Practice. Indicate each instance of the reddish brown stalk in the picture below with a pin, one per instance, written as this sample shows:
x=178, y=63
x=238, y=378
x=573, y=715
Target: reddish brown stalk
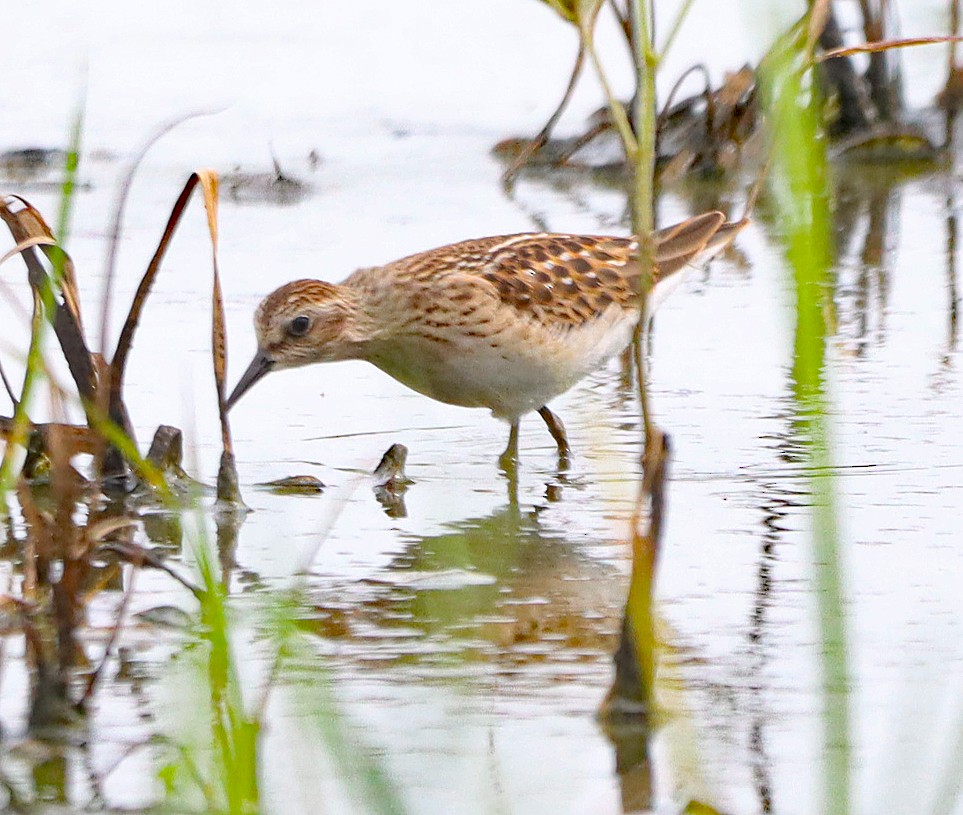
x=954, y=28
x=118, y=362
x=207, y=180
x=227, y=481
x=884, y=45
x=27, y=224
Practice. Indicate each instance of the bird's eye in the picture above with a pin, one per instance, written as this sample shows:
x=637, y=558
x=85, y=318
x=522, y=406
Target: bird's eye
x=299, y=326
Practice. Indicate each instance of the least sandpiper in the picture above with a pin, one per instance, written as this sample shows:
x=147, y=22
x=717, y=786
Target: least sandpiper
x=505, y=323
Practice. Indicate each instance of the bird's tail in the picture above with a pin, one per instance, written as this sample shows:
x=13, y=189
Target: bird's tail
x=693, y=242
x=685, y=245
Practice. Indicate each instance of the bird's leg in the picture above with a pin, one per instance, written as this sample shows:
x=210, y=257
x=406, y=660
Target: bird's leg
x=509, y=459
x=511, y=483
x=557, y=429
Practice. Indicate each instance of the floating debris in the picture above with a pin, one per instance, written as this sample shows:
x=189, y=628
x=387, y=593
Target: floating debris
x=39, y=169
x=27, y=163
x=886, y=145
x=295, y=485
x=277, y=187
x=166, y=617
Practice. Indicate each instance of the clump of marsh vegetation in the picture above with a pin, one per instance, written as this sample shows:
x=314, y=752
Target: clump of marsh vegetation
x=80, y=489
x=719, y=129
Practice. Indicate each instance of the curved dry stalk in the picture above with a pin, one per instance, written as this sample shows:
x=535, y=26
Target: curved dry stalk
x=118, y=362
x=884, y=45
x=208, y=182
x=670, y=99
x=36, y=240
x=617, y=110
x=536, y=144
x=117, y=217
x=109, y=396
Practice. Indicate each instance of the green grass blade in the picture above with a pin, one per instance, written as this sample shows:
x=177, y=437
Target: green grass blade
x=801, y=187
x=68, y=188
x=44, y=311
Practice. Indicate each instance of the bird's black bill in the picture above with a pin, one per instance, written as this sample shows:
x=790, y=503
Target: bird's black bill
x=260, y=366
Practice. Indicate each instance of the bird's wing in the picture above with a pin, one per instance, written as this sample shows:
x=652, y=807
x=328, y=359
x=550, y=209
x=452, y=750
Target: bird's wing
x=568, y=280
x=564, y=280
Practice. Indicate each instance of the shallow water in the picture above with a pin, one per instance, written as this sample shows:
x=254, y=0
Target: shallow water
x=469, y=640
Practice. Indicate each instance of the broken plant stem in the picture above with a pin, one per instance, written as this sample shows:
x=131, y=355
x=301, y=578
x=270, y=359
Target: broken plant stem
x=884, y=45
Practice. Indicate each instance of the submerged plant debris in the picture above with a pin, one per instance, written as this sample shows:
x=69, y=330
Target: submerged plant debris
x=295, y=485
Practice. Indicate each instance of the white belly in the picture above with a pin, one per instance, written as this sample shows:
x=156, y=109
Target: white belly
x=517, y=367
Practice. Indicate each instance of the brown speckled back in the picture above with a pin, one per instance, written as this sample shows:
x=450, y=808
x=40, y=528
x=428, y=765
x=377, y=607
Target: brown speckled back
x=560, y=280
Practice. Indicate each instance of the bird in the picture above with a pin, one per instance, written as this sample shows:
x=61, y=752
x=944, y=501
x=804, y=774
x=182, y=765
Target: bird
x=506, y=322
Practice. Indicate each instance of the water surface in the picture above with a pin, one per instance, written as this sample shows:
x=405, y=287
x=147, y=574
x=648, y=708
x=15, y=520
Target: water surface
x=469, y=639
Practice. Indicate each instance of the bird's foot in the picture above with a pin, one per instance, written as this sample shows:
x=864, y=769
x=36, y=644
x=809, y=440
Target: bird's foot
x=508, y=460
x=508, y=463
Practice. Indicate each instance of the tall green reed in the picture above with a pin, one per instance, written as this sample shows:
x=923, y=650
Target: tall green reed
x=801, y=188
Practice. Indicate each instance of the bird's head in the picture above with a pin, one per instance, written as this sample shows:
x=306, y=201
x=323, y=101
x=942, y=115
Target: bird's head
x=302, y=322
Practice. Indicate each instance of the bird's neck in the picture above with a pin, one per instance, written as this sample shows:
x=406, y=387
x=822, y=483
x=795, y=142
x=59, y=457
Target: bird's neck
x=378, y=310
